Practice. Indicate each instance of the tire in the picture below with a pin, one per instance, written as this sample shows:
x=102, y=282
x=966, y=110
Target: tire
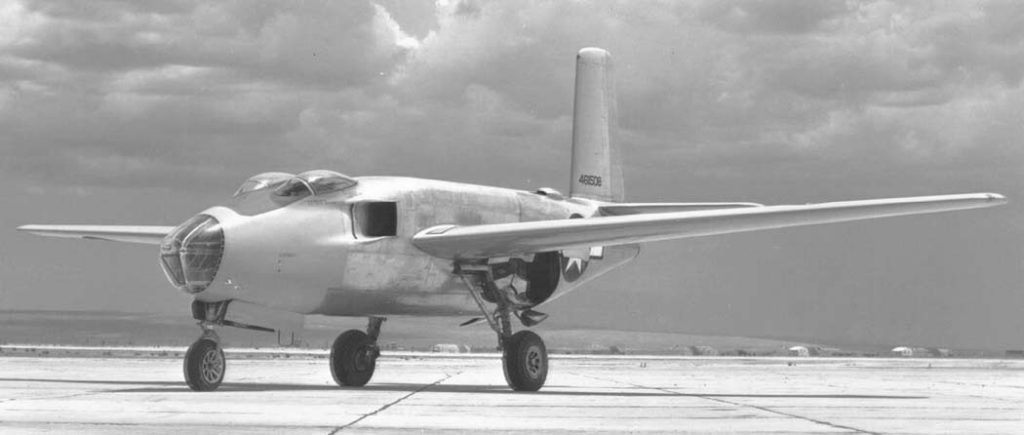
x=525, y=360
x=204, y=365
x=353, y=358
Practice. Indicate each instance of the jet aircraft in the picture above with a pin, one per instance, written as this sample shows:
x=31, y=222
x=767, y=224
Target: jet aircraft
x=320, y=242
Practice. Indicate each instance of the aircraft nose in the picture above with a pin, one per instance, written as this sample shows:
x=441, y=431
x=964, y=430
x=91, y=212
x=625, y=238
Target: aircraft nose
x=191, y=254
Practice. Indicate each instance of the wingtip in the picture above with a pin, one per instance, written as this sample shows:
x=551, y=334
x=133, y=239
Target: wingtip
x=996, y=198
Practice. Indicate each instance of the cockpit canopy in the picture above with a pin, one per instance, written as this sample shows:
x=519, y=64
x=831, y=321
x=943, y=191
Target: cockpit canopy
x=315, y=182
x=262, y=181
x=323, y=181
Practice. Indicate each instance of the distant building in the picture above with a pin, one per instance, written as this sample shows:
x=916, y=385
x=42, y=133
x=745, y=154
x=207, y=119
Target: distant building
x=938, y=352
x=704, y=350
x=921, y=352
x=902, y=351
x=799, y=351
x=449, y=348
x=601, y=349
x=827, y=351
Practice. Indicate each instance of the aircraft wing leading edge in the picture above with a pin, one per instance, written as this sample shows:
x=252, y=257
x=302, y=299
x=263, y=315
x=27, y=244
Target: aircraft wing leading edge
x=144, y=234
x=501, y=240
x=626, y=208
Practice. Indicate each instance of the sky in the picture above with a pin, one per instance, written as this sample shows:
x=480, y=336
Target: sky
x=146, y=112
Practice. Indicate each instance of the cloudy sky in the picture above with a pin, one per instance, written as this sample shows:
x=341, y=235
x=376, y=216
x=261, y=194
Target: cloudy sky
x=145, y=112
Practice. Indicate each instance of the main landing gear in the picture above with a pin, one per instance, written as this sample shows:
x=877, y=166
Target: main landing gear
x=354, y=355
x=524, y=356
x=525, y=360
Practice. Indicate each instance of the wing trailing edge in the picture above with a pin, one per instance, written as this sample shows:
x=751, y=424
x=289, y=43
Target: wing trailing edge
x=499, y=240
x=144, y=234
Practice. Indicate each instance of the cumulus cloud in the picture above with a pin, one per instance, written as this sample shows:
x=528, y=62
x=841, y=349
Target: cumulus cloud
x=772, y=17
x=198, y=86
x=234, y=84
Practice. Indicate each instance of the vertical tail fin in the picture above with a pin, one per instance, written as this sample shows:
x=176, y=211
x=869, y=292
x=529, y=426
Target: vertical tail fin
x=596, y=164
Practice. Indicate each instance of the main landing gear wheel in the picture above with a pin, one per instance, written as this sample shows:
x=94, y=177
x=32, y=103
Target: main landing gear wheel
x=353, y=358
x=525, y=360
x=204, y=365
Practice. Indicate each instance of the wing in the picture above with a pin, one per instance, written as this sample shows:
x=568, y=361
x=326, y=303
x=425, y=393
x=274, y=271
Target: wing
x=500, y=240
x=619, y=209
x=146, y=234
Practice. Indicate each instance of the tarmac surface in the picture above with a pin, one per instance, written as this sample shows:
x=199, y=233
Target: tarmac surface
x=429, y=393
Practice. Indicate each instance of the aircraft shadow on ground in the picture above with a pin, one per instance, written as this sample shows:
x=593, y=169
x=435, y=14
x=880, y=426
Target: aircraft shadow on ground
x=179, y=387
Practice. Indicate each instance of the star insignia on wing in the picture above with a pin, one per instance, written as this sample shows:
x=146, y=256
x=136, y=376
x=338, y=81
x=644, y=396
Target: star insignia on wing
x=574, y=263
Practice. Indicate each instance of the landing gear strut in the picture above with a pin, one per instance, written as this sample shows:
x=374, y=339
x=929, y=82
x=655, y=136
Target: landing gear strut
x=524, y=357
x=354, y=355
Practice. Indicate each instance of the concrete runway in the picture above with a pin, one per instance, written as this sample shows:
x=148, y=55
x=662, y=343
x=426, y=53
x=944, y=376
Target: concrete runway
x=458, y=394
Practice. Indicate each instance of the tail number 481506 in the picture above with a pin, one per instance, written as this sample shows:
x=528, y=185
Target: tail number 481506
x=590, y=180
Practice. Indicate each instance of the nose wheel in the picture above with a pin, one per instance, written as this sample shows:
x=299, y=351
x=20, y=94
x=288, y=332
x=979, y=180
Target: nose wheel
x=204, y=365
x=354, y=355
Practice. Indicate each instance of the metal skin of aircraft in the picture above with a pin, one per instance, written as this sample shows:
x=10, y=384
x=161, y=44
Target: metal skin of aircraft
x=320, y=242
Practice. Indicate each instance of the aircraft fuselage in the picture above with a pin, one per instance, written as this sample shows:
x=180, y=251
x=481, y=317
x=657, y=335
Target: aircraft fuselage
x=349, y=253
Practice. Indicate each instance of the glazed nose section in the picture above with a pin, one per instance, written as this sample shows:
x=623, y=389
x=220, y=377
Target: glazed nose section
x=191, y=254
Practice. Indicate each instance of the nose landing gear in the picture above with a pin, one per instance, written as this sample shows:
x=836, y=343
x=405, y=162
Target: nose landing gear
x=204, y=363
x=354, y=355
